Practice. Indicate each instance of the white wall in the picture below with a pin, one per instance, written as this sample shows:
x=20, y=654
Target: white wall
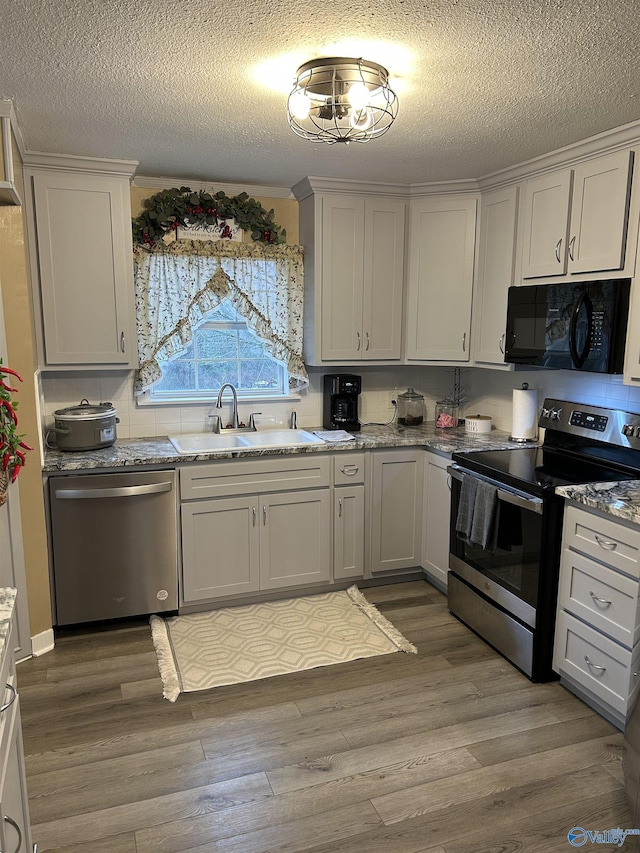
x=487, y=392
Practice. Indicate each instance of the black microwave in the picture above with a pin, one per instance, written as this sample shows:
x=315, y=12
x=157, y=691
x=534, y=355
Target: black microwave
x=576, y=326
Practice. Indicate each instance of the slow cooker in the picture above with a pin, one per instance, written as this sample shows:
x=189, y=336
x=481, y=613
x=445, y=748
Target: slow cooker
x=85, y=426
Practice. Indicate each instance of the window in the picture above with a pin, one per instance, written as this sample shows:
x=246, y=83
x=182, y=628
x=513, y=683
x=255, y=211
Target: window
x=223, y=349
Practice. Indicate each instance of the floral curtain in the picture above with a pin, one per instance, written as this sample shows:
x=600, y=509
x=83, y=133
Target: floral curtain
x=176, y=285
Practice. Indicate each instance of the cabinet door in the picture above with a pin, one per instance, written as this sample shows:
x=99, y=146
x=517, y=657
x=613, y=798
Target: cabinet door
x=383, y=278
x=295, y=539
x=546, y=225
x=599, y=213
x=220, y=548
x=342, y=277
x=83, y=225
x=437, y=509
x=441, y=253
x=15, y=829
x=396, y=509
x=496, y=272
x=348, y=535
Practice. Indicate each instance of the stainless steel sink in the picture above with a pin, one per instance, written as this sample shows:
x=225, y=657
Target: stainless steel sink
x=211, y=442
x=281, y=438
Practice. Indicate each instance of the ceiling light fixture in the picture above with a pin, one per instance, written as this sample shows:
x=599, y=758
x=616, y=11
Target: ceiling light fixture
x=341, y=100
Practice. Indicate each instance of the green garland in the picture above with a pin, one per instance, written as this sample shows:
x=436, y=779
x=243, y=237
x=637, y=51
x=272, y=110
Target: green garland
x=170, y=209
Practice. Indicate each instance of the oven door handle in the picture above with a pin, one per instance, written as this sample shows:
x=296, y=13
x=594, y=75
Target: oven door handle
x=509, y=497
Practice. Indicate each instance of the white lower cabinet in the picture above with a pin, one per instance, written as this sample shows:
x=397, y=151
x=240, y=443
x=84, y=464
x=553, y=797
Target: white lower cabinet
x=295, y=540
x=396, y=509
x=597, y=646
x=15, y=828
x=348, y=532
x=437, y=508
x=238, y=540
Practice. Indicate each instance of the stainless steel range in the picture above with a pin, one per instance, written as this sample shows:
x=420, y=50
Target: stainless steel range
x=506, y=525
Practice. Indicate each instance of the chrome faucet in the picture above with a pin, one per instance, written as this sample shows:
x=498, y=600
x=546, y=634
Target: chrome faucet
x=235, y=423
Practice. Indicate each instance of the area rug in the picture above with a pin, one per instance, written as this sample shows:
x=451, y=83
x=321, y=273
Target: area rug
x=236, y=644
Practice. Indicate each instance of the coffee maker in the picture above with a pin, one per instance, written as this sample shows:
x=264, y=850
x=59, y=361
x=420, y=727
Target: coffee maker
x=340, y=410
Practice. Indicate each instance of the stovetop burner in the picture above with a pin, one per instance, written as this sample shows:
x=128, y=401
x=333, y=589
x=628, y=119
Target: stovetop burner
x=583, y=444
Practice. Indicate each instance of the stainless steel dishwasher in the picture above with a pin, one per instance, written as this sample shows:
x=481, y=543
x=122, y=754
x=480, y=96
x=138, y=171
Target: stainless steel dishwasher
x=115, y=549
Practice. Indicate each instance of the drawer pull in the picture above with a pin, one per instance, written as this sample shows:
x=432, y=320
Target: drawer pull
x=12, y=823
x=8, y=704
x=606, y=543
x=600, y=601
x=601, y=669
x=350, y=470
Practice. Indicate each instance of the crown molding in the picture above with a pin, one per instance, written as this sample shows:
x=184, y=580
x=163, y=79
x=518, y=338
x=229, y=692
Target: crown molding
x=312, y=184
x=73, y=163
x=602, y=143
x=164, y=183
x=466, y=185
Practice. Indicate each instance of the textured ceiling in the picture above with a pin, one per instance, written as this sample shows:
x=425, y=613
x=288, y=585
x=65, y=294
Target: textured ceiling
x=180, y=87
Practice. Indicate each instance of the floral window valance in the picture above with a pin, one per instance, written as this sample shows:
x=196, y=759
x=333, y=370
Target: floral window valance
x=176, y=285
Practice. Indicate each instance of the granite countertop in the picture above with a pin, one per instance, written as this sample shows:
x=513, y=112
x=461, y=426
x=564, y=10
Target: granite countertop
x=128, y=452
x=7, y=604
x=618, y=499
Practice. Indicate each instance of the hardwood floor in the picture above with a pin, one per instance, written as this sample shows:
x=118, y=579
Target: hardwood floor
x=448, y=751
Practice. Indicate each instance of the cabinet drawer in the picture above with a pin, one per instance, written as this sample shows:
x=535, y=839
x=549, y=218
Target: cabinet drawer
x=601, y=596
x=247, y=476
x=595, y=662
x=607, y=541
x=348, y=468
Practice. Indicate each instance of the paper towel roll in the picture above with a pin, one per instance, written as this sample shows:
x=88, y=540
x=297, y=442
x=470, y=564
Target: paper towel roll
x=525, y=414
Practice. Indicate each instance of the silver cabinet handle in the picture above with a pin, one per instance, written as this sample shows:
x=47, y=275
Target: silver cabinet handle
x=350, y=470
x=594, y=665
x=8, y=704
x=367, y=335
x=558, y=244
x=358, y=347
x=12, y=823
x=602, y=601
x=464, y=342
x=606, y=543
x=501, y=343
x=339, y=507
x=122, y=492
x=264, y=514
x=253, y=510
x=122, y=346
x=572, y=243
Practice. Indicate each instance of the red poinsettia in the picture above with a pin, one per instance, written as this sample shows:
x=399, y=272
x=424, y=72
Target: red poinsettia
x=12, y=446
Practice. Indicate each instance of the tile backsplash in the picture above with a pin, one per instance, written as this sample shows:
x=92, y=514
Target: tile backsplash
x=484, y=391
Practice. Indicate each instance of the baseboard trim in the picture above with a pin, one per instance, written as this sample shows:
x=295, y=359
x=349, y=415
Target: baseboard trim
x=42, y=643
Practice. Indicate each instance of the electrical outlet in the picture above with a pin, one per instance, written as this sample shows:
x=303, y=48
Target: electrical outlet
x=392, y=398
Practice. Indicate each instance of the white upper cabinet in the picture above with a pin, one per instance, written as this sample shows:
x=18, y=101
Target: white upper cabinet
x=354, y=253
x=84, y=266
x=495, y=273
x=441, y=255
x=575, y=220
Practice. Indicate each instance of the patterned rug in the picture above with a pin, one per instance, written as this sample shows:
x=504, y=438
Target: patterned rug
x=236, y=644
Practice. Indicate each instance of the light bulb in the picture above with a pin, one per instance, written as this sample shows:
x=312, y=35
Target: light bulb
x=299, y=105
x=361, y=120
x=358, y=96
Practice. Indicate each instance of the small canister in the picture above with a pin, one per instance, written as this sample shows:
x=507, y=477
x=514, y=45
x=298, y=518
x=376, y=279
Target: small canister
x=410, y=408
x=446, y=414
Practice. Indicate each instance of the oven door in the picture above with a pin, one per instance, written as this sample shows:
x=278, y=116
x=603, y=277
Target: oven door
x=510, y=574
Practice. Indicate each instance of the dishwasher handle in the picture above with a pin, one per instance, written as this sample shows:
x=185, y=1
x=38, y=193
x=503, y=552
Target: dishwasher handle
x=120, y=492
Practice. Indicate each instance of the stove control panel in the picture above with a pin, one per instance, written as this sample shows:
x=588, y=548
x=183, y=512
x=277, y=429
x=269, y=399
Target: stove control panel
x=588, y=420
